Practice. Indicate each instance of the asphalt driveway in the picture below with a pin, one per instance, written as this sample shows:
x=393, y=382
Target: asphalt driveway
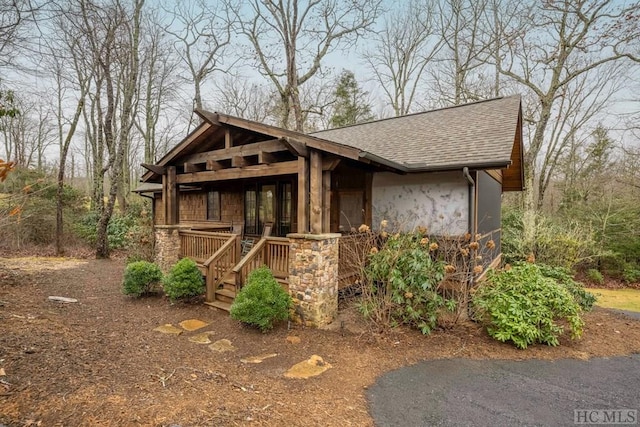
x=461, y=392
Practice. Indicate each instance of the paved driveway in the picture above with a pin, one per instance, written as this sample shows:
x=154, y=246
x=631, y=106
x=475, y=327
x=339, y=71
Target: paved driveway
x=461, y=392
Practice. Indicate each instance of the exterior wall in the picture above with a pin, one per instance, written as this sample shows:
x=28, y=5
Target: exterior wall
x=192, y=206
x=313, y=277
x=439, y=201
x=232, y=205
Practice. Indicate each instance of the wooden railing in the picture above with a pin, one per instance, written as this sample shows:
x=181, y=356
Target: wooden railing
x=221, y=264
x=270, y=251
x=199, y=245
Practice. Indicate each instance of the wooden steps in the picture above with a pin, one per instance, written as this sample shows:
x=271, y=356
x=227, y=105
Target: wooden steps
x=226, y=293
x=220, y=305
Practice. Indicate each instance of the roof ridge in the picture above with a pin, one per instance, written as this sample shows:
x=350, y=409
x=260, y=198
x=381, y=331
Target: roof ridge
x=451, y=107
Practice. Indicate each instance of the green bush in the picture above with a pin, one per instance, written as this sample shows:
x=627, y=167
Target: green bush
x=140, y=278
x=595, y=276
x=262, y=301
x=183, y=281
x=521, y=305
x=631, y=274
x=564, y=278
x=404, y=277
x=117, y=230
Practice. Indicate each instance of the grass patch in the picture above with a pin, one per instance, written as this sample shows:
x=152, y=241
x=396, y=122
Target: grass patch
x=622, y=299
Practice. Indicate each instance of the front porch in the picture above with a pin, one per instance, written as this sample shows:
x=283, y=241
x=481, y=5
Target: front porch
x=312, y=268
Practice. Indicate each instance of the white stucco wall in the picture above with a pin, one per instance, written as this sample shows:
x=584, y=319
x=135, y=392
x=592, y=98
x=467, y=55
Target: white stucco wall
x=439, y=201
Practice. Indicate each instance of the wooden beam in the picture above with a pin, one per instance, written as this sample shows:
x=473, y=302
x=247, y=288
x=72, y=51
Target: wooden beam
x=171, y=203
x=228, y=140
x=330, y=163
x=271, y=146
x=213, y=165
x=282, y=168
x=326, y=202
x=296, y=147
x=266, y=158
x=239, y=162
x=157, y=169
x=190, y=167
x=315, y=192
x=303, y=194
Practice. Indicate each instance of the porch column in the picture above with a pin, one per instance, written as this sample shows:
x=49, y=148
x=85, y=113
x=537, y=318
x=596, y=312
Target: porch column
x=170, y=196
x=315, y=192
x=313, y=277
x=303, y=195
x=326, y=201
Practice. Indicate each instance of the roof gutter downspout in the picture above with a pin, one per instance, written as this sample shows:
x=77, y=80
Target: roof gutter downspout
x=472, y=207
x=472, y=188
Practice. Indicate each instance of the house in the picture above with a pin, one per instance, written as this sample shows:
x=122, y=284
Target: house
x=232, y=179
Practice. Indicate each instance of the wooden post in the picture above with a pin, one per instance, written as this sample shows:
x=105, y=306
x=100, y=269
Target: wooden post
x=303, y=195
x=326, y=202
x=368, y=199
x=315, y=192
x=171, y=201
x=228, y=142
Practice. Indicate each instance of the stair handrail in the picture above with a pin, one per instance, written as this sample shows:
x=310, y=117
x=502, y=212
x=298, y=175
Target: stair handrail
x=238, y=270
x=214, y=276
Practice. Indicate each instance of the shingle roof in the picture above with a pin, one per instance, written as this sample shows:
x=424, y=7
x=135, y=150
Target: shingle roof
x=480, y=133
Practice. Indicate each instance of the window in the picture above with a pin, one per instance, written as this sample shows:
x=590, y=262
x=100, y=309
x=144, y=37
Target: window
x=213, y=205
x=250, y=206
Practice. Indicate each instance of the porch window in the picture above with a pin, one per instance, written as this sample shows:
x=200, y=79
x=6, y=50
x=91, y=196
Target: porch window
x=213, y=205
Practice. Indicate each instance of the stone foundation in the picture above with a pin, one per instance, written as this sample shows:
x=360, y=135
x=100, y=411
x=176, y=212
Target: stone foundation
x=313, y=277
x=167, y=246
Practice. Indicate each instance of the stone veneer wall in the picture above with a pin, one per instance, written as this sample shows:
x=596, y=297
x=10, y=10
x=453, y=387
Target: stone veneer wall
x=313, y=277
x=167, y=246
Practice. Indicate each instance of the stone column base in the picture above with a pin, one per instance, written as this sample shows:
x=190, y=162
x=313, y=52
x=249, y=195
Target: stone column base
x=313, y=277
x=167, y=246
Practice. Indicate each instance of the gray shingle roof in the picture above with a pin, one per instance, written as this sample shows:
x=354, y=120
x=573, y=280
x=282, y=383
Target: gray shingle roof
x=480, y=133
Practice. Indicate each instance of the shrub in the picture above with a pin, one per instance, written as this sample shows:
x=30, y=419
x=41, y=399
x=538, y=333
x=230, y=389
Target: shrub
x=595, y=276
x=262, y=301
x=564, y=278
x=140, y=278
x=403, y=279
x=522, y=305
x=117, y=229
x=631, y=274
x=183, y=281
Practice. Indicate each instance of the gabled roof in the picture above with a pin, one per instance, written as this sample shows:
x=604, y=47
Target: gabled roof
x=480, y=134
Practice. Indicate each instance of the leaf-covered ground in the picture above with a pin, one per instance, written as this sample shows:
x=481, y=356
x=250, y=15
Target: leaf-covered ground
x=99, y=362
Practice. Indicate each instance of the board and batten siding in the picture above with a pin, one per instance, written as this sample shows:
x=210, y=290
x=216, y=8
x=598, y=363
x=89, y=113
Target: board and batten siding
x=439, y=201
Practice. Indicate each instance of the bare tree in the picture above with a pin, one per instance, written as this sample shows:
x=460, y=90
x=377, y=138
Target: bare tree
x=203, y=33
x=545, y=48
x=156, y=89
x=291, y=38
x=401, y=52
x=16, y=16
x=239, y=96
x=459, y=76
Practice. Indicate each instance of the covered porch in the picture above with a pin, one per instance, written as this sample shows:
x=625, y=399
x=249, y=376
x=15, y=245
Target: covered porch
x=235, y=195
